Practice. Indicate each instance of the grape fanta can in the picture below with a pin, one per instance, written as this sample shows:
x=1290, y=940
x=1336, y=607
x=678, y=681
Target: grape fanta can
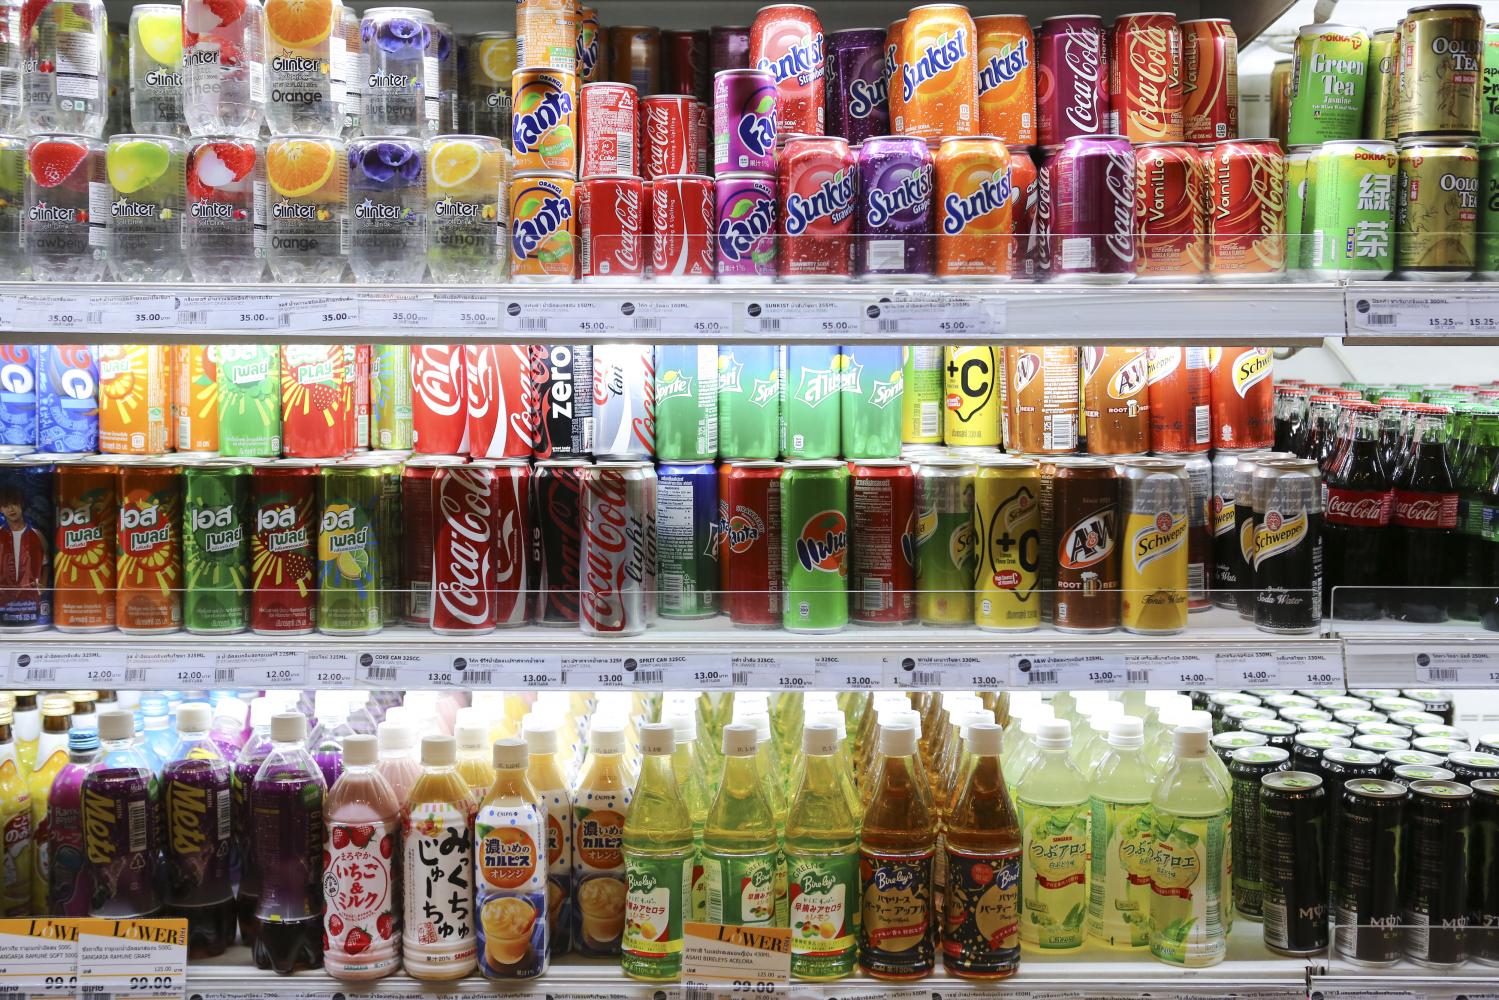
x=215, y=547
x=348, y=548
x=814, y=537
x=870, y=401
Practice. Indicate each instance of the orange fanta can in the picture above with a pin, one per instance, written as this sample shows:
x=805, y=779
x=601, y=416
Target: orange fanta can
x=892, y=72
x=546, y=34
x=938, y=78
x=135, y=383
x=195, y=397
x=544, y=119
x=543, y=226
x=975, y=209
x=1007, y=78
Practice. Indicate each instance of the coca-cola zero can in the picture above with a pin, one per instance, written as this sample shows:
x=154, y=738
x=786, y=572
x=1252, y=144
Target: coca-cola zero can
x=563, y=374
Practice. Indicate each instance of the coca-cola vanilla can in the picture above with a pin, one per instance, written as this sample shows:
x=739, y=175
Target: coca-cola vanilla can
x=439, y=414
x=1145, y=78
x=618, y=558
x=501, y=400
x=683, y=225
x=611, y=217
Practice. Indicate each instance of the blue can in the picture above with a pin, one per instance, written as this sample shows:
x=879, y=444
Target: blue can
x=67, y=399
x=17, y=399
x=687, y=533
x=749, y=402
x=26, y=534
x=858, y=108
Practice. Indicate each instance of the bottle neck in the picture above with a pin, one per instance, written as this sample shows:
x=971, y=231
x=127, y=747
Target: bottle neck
x=656, y=771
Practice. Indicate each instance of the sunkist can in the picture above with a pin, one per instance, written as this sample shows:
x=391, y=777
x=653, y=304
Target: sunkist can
x=1210, y=80
x=1439, y=79
x=1436, y=210
x=973, y=396
x=857, y=107
x=893, y=216
x=944, y=541
x=938, y=73
x=1007, y=78
x=893, y=32
x=975, y=209
x=1153, y=580
x=816, y=186
x=1328, y=83
x=1145, y=78
x=815, y=540
x=1007, y=543
x=786, y=40
x=1353, y=218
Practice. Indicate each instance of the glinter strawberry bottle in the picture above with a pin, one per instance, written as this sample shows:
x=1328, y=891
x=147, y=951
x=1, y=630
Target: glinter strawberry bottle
x=361, y=922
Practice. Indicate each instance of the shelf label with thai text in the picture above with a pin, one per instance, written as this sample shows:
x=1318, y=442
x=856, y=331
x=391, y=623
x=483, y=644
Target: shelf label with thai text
x=141, y=959
x=198, y=313
x=739, y=957
x=1457, y=666
x=466, y=312
x=834, y=318
x=38, y=958
x=1247, y=669
x=1173, y=670
x=68, y=668
x=1044, y=669
x=927, y=314
x=1310, y=671
x=319, y=312
x=271, y=668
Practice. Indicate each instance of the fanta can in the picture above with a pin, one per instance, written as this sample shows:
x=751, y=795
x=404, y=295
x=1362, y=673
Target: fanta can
x=543, y=233
x=546, y=34
x=134, y=399
x=816, y=205
x=975, y=209
x=1007, y=78
x=786, y=41
x=938, y=79
x=544, y=119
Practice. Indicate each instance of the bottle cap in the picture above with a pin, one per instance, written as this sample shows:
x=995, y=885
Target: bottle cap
x=1190, y=741
x=973, y=718
x=192, y=717
x=151, y=704
x=901, y=717
x=898, y=739
x=606, y=736
x=117, y=725
x=1126, y=732
x=359, y=750
x=657, y=739
x=82, y=740
x=439, y=751
x=330, y=705
x=234, y=711
x=60, y=704
x=819, y=739
x=835, y=719
x=288, y=727
x=1054, y=734
x=739, y=740
x=395, y=736
x=1198, y=719
x=510, y=754
x=472, y=736
x=684, y=725
x=985, y=739
x=540, y=733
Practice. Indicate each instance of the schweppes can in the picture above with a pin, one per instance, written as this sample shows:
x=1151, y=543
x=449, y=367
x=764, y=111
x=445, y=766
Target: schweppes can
x=1153, y=580
x=973, y=396
x=1288, y=546
x=1007, y=540
x=1242, y=395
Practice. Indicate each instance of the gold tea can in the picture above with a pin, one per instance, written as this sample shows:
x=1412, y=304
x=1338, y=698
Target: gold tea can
x=1007, y=541
x=1440, y=79
x=1436, y=210
x=1153, y=577
x=1280, y=102
x=1379, y=95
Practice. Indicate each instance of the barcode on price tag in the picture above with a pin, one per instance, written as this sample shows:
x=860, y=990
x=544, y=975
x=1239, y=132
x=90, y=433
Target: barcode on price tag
x=10, y=307
x=557, y=315
x=530, y=673
x=259, y=668
x=1387, y=314
x=830, y=318
x=1248, y=670
x=39, y=958
x=1069, y=670
x=228, y=312
x=855, y=671
x=144, y=959
x=953, y=315
x=933, y=673
x=704, y=671
x=1173, y=670
x=1457, y=666
x=421, y=670
x=182, y=671
x=68, y=668
x=589, y=672
x=463, y=312
x=700, y=317
x=46, y=312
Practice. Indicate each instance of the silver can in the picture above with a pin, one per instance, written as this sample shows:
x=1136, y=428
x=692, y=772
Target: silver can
x=1288, y=546
x=1224, y=581
x=618, y=552
x=624, y=387
x=944, y=540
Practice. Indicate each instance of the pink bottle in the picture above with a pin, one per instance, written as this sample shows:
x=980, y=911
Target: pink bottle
x=361, y=920
x=399, y=763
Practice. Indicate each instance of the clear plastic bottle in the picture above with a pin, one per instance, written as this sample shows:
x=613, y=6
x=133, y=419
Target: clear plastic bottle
x=15, y=823
x=120, y=802
x=327, y=741
x=1053, y=800
x=548, y=778
x=981, y=926
x=1190, y=889
x=601, y=800
x=65, y=82
x=51, y=756
x=1119, y=792
x=897, y=848
x=399, y=764
x=156, y=70
x=27, y=726
x=822, y=862
x=511, y=866
x=475, y=757
x=287, y=801
x=440, y=940
x=70, y=886
x=361, y=889
x=223, y=68
x=196, y=794
x=300, y=68
x=659, y=860
x=740, y=838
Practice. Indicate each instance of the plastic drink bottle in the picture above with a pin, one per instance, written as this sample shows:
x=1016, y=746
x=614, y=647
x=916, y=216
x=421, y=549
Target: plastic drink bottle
x=196, y=794
x=399, y=764
x=327, y=740
x=601, y=799
x=1119, y=792
x=360, y=890
x=69, y=890
x=307, y=224
x=230, y=726
x=897, y=845
x=772, y=776
x=287, y=802
x=15, y=824
x=223, y=68
x=64, y=225
x=511, y=865
x=304, y=50
x=659, y=860
x=51, y=755
x=121, y=826
x=740, y=838
x=437, y=837
x=1053, y=800
x=156, y=70
x=26, y=726
x=65, y=81
x=981, y=927
x=476, y=758
x=242, y=778
x=1190, y=888
x=225, y=227
x=692, y=783
x=387, y=209
x=822, y=862
x=546, y=775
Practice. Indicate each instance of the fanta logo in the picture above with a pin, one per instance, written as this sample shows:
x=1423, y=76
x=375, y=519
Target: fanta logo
x=743, y=530
x=748, y=222
x=993, y=192
x=803, y=61
x=1006, y=66
x=914, y=189
x=1251, y=368
x=757, y=128
x=865, y=95
x=530, y=126
x=833, y=200
x=548, y=220
x=941, y=56
x=823, y=542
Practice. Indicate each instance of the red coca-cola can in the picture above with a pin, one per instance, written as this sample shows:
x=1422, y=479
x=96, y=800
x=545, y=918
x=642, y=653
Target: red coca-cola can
x=1145, y=78
x=749, y=542
x=514, y=568
x=501, y=400
x=1168, y=211
x=815, y=202
x=647, y=227
x=673, y=136
x=684, y=63
x=283, y=495
x=465, y=528
x=1247, y=220
x=610, y=122
x=683, y=223
x=611, y=219
x=418, y=534
x=618, y=553
x=882, y=585
x=557, y=539
x=361, y=375
x=439, y=418
x=1025, y=191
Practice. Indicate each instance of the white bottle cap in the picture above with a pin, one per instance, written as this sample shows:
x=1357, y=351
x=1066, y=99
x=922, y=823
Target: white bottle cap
x=898, y=740
x=761, y=722
x=1054, y=734
x=1100, y=723
x=118, y=725
x=683, y=725
x=836, y=719
x=193, y=717
x=985, y=739
x=288, y=727
x=510, y=754
x=657, y=739
x=395, y=736
x=902, y=717
x=399, y=714
x=819, y=739
x=472, y=736
x=971, y=719
x=540, y=733
x=1198, y=719
x=439, y=751
x=233, y=709
x=606, y=736
x=739, y=740
x=1127, y=732
x=261, y=711
x=1190, y=741
x=360, y=750
x=330, y=705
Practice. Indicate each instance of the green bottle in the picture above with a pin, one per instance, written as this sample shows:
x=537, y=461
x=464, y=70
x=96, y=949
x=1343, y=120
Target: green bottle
x=1123, y=859
x=1053, y=800
x=768, y=766
x=822, y=862
x=659, y=859
x=687, y=766
x=1190, y=891
x=870, y=400
x=215, y=547
x=739, y=839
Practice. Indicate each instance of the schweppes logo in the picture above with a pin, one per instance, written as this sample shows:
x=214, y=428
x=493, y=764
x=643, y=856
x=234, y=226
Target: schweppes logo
x=1161, y=363
x=1246, y=541
x=1251, y=368
x=1157, y=538
x=1278, y=534
x=1224, y=510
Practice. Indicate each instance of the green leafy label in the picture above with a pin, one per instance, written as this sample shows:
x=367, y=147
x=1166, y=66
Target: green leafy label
x=740, y=889
x=655, y=889
x=1188, y=883
x=1119, y=878
x=1054, y=885
x=823, y=890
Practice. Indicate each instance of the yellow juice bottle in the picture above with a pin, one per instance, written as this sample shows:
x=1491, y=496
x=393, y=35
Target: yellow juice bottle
x=659, y=859
x=475, y=757
x=546, y=776
x=15, y=824
x=601, y=801
x=439, y=940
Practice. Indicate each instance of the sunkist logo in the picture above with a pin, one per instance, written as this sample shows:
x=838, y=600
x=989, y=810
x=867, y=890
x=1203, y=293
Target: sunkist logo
x=959, y=211
x=833, y=200
x=866, y=95
x=937, y=58
x=823, y=542
x=1004, y=67
x=803, y=60
x=915, y=188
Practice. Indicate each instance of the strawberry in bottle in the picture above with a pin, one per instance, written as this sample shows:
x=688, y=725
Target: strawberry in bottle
x=361, y=921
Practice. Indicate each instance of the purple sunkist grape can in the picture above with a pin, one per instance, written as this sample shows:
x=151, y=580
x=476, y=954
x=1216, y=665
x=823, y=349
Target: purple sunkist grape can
x=67, y=399
x=893, y=223
x=746, y=227
x=744, y=122
x=855, y=82
x=728, y=47
x=1072, y=78
x=1092, y=183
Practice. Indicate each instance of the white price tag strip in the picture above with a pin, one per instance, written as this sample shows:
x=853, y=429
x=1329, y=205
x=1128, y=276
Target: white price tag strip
x=68, y=669
x=793, y=672
x=1042, y=670
x=259, y=669
x=829, y=318
x=684, y=672
x=1247, y=669
x=39, y=958
x=1310, y=671
x=937, y=672
x=854, y=672
x=141, y=959
x=599, y=672
x=53, y=313
x=331, y=670
x=531, y=672
x=395, y=312
x=412, y=670
x=737, y=957
x=228, y=312
x=708, y=318
x=182, y=671
x=319, y=312
x=139, y=312
x=466, y=312
x=1173, y=671
x=1457, y=666
x=10, y=310
x=953, y=315
x=1403, y=314
x=560, y=315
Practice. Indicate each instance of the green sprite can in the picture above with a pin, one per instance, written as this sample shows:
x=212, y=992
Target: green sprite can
x=811, y=384
x=1436, y=210
x=814, y=540
x=1298, y=194
x=215, y=547
x=944, y=541
x=390, y=396
x=921, y=395
x=1353, y=225
x=686, y=402
x=1489, y=101
x=749, y=402
x=249, y=401
x=1488, y=211
x=1379, y=100
x=1439, y=81
x=870, y=401
x=351, y=515
x=1328, y=83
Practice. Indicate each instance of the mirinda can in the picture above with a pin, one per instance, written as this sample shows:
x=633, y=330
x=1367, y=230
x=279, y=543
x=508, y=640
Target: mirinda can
x=543, y=229
x=135, y=382
x=938, y=75
x=1180, y=413
x=786, y=40
x=1242, y=396
x=975, y=209
x=1116, y=400
x=1172, y=242
x=1145, y=86
x=83, y=561
x=195, y=398
x=544, y=120
x=1210, y=80
x=1007, y=78
x=1247, y=222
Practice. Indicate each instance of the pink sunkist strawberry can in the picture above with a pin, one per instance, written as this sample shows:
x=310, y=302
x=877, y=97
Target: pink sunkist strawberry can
x=815, y=201
x=744, y=122
x=786, y=41
x=746, y=236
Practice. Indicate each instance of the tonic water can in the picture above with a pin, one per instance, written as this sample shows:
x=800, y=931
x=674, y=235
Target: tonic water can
x=351, y=509
x=468, y=209
x=390, y=397
x=146, y=207
x=308, y=225
x=1353, y=228
x=686, y=403
x=1153, y=582
x=65, y=226
x=1007, y=544
x=215, y=547
x=871, y=400
x=156, y=70
x=814, y=537
x=921, y=395
x=1328, y=83
x=387, y=210
x=223, y=68
x=749, y=401
x=249, y=382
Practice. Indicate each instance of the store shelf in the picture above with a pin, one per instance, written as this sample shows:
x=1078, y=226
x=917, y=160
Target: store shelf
x=1402, y=654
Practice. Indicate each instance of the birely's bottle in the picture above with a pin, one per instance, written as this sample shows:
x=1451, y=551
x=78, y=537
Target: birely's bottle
x=287, y=802
x=659, y=856
x=121, y=826
x=15, y=824
x=822, y=862
x=897, y=845
x=510, y=859
x=981, y=926
x=361, y=887
x=196, y=794
x=69, y=885
x=546, y=775
x=439, y=940
x=740, y=842
x=242, y=778
x=399, y=763
x=601, y=800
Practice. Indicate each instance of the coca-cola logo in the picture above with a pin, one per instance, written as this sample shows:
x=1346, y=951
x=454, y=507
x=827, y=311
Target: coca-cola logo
x=1358, y=508
x=605, y=538
x=435, y=371
x=1120, y=177
x=627, y=211
x=666, y=146
x=1083, y=55
x=1426, y=510
x=1150, y=58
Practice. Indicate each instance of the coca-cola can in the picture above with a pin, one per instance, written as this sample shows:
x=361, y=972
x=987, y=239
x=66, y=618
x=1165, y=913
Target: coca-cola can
x=684, y=62
x=624, y=401
x=1173, y=240
x=439, y=418
x=683, y=227
x=465, y=500
x=749, y=542
x=1145, y=78
x=1037, y=251
x=1247, y=218
x=1072, y=85
x=563, y=375
x=557, y=539
x=611, y=216
x=514, y=569
x=501, y=400
x=609, y=118
x=1210, y=80
x=1093, y=210
x=618, y=557
x=647, y=227
x=673, y=135
x=419, y=521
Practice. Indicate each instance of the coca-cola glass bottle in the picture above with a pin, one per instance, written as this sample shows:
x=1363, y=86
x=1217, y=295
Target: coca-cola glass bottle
x=1426, y=547
x=1488, y=615
x=1391, y=413
x=1356, y=522
x=1322, y=422
x=1475, y=571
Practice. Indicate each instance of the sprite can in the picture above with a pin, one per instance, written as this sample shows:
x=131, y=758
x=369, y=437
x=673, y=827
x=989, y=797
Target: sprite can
x=814, y=539
x=1353, y=228
x=921, y=396
x=249, y=401
x=1007, y=542
x=686, y=402
x=687, y=540
x=1488, y=211
x=1439, y=82
x=749, y=402
x=1379, y=99
x=1436, y=210
x=870, y=401
x=1298, y=186
x=351, y=514
x=811, y=382
x=1328, y=83
x=215, y=547
x=944, y=541
x=390, y=396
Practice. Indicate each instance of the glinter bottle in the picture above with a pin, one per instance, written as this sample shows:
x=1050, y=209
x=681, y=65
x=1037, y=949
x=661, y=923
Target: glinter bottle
x=1190, y=881
x=121, y=826
x=1053, y=799
x=897, y=844
x=1123, y=859
x=822, y=863
x=659, y=861
x=360, y=890
x=439, y=941
x=510, y=856
x=601, y=799
x=287, y=798
x=196, y=795
x=739, y=839
x=981, y=930
x=547, y=777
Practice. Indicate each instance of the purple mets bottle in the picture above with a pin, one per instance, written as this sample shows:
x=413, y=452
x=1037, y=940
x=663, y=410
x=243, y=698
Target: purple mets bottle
x=120, y=800
x=195, y=790
x=69, y=886
x=854, y=78
x=287, y=799
x=246, y=766
x=894, y=238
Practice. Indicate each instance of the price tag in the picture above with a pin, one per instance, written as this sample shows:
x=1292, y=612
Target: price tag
x=924, y=315
x=795, y=672
x=739, y=957
x=832, y=318
x=584, y=315
x=10, y=309
x=1457, y=666
x=395, y=311
x=67, y=668
x=934, y=673
x=228, y=312
x=532, y=672
x=46, y=312
x=591, y=672
x=466, y=312
x=259, y=668
x=141, y=959
x=175, y=670
x=1310, y=671
x=1400, y=314
x=39, y=958
x=331, y=670
x=701, y=317
x=1068, y=670
x=319, y=312
x=851, y=672
x=139, y=312
x=412, y=670
x=1247, y=669
x=474, y=670
x=696, y=670
x=1173, y=671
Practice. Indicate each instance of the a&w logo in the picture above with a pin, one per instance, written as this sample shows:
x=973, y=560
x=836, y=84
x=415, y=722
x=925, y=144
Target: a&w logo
x=749, y=221
x=1003, y=68
x=958, y=211
x=530, y=126
x=802, y=61
x=914, y=189
x=941, y=56
x=833, y=200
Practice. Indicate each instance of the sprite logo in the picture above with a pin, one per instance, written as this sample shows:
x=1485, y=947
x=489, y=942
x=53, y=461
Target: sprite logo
x=730, y=372
x=672, y=385
x=823, y=542
x=939, y=57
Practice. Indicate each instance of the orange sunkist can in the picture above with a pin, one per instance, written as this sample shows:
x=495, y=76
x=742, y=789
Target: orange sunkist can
x=148, y=553
x=543, y=227
x=83, y=566
x=1116, y=400
x=938, y=78
x=1180, y=415
x=1242, y=395
x=975, y=208
x=1007, y=78
x=1041, y=391
x=135, y=399
x=195, y=398
x=892, y=71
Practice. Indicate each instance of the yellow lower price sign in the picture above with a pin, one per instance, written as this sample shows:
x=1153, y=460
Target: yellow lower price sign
x=139, y=959
x=732, y=960
x=38, y=958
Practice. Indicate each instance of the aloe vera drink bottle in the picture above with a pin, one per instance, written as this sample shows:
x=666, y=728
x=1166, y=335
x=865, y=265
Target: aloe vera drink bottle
x=1190, y=890
x=659, y=861
x=1053, y=800
x=1119, y=792
x=196, y=793
x=740, y=838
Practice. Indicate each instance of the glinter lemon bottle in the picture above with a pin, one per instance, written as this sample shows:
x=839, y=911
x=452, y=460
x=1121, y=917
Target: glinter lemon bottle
x=898, y=933
x=1053, y=799
x=1190, y=881
x=822, y=862
x=659, y=857
x=1119, y=876
x=739, y=839
x=981, y=929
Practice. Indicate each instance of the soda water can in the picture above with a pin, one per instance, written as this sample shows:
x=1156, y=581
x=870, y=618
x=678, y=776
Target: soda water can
x=746, y=244
x=308, y=226
x=870, y=400
x=215, y=546
x=146, y=207
x=65, y=84
x=1328, y=84
x=135, y=398
x=687, y=540
x=491, y=64
x=1007, y=544
x=223, y=68
x=543, y=227
x=1353, y=222
x=156, y=69
x=195, y=398
x=618, y=553
x=314, y=416
x=67, y=398
x=18, y=389
x=398, y=74
x=944, y=541
x=749, y=401
x=624, y=401
x=27, y=511
x=857, y=106
x=744, y=121
x=563, y=376
x=83, y=564
x=300, y=61
x=387, y=210
x=148, y=563
x=893, y=220
x=351, y=499
x=283, y=547
x=390, y=397
x=249, y=379
x=814, y=538
x=811, y=382
x=686, y=402
x=65, y=229
x=468, y=209
x=225, y=225
x=11, y=62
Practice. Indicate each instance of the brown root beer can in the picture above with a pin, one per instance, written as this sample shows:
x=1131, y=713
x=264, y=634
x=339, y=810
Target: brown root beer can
x=1084, y=549
x=1041, y=397
x=1116, y=400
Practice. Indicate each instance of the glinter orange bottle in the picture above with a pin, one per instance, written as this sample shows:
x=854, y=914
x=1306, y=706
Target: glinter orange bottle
x=981, y=926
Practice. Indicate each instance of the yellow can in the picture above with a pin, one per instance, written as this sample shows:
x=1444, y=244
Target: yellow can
x=1153, y=581
x=973, y=396
x=543, y=226
x=1007, y=541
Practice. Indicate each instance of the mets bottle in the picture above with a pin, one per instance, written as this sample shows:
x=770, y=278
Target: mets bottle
x=1119, y=791
x=822, y=863
x=301, y=87
x=510, y=859
x=1053, y=800
x=1189, y=885
x=439, y=941
x=659, y=861
x=197, y=795
x=69, y=889
x=897, y=849
x=121, y=824
x=387, y=210
x=287, y=798
x=223, y=67
x=246, y=765
x=145, y=207
x=362, y=887
x=15, y=824
x=65, y=83
x=981, y=929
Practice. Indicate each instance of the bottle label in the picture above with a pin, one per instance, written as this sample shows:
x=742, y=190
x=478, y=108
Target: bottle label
x=438, y=862
x=559, y=808
x=656, y=890
x=1188, y=883
x=1490, y=527
x=120, y=827
x=740, y=890
x=897, y=936
x=981, y=935
x=360, y=918
x=822, y=890
x=510, y=855
x=1054, y=889
x=1119, y=879
x=198, y=826
x=15, y=822
x=1425, y=510
x=599, y=871
x=1359, y=508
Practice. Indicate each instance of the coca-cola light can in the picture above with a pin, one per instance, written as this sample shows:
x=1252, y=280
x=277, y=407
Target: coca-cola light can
x=618, y=564
x=439, y=415
x=563, y=374
x=557, y=539
x=624, y=401
x=501, y=400
x=1093, y=210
